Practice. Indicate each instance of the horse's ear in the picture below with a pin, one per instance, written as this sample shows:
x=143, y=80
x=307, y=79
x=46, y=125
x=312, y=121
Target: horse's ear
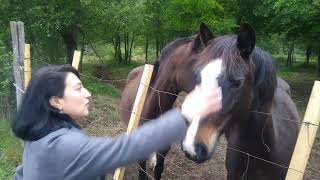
x=246, y=40
x=202, y=38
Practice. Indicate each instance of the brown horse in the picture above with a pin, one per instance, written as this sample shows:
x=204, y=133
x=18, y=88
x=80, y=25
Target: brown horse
x=247, y=77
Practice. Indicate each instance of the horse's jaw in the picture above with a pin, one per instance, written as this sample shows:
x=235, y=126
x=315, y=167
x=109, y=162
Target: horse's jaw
x=199, y=150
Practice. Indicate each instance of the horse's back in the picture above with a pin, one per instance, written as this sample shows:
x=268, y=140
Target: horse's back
x=286, y=122
x=282, y=84
x=129, y=93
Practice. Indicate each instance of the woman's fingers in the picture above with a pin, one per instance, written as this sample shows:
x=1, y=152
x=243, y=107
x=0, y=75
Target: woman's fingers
x=202, y=101
x=212, y=101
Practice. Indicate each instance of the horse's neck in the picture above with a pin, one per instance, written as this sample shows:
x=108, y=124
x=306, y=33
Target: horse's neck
x=158, y=103
x=252, y=132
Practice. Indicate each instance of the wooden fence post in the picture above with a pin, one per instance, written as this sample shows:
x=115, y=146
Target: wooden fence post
x=27, y=65
x=17, y=34
x=137, y=109
x=76, y=59
x=306, y=136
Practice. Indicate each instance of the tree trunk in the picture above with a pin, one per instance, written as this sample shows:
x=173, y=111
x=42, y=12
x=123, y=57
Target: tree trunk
x=117, y=48
x=162, y=45
x=290, y=55
x=319, y=63
x=146, y=49
x=70, y=43
x=119, y=53
x=308, y=54
x=157, y=47
x=69, y=33
x=130, y=49
x=82, y=52
x=126, y=49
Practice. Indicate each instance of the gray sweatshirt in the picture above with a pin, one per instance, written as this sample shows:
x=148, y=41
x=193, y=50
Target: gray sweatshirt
x=72, y=155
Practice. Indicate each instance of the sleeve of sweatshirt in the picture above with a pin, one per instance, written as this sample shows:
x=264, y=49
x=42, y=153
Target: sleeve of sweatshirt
x=19, y=173
x=87, y=157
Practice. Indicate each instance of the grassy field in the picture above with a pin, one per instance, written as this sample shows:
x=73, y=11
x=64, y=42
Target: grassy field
x=104, y=120
x=10, y=151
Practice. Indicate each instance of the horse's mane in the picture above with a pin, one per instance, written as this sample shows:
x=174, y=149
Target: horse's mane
x=265, y=75
x=165, y=52
x=265, y=82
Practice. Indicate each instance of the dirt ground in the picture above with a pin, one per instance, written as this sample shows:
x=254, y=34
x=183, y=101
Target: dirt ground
x=104, y=121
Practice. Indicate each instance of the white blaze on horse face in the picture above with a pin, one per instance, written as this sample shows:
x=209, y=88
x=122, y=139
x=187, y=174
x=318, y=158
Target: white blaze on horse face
x=209, y=75
x=187, y=144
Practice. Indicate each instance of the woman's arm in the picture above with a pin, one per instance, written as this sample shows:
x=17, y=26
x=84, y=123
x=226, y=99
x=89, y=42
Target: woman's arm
x=90, y=157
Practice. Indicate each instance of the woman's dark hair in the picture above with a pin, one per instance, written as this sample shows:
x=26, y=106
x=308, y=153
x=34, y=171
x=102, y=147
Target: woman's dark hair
x=36, y=118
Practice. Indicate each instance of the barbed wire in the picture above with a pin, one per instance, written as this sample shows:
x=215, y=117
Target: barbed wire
x=267, y=161
x=247, y=167
x=169, y=93
x=179, y=166
x=18, y=88
x=144, y=171
x=285, y=119
x=245, y=153
x=104, y=80
x=237, y=150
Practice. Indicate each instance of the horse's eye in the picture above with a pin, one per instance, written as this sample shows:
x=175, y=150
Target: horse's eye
x=236, y=83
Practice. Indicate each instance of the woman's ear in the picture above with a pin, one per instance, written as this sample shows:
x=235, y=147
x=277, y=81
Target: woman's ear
x=56, y=102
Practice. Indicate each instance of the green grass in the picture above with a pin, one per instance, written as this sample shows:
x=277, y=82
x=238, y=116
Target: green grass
x=298, y=66
x=109, y=70
x=10, y=151
x=100, y=87
x=120, y=71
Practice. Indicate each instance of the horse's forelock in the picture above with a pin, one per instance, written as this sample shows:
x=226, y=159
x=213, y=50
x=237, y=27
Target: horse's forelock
x=224, y=47
x=264, y=71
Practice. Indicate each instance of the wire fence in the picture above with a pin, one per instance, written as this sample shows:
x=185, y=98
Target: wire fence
x=249, y=156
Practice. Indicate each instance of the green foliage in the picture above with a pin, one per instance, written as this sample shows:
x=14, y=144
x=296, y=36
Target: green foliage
x=296, y=19
x=184, y=16
x=5, y=73
x=5, y=76
x=45, y=23
x=98, y=23
x=10, y=151
x=274, y=43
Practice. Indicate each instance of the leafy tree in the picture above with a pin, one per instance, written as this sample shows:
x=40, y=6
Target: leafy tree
x=299, y=21
x=46, y=21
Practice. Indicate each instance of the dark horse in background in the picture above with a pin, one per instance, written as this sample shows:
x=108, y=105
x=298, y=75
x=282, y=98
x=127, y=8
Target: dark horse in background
x=247, y=77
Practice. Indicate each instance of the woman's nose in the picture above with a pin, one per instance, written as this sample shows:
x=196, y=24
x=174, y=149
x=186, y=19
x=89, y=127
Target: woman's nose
x=86, y=92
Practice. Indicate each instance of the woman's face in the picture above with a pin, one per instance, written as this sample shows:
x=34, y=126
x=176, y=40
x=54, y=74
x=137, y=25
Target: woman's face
x=76, y=98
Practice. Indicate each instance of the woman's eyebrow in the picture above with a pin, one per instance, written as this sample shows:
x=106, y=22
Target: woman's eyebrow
x=78, y=84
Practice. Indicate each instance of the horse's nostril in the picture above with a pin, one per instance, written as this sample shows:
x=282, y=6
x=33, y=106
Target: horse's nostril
x=201, y=152
x=181, y=146
x=198, y=77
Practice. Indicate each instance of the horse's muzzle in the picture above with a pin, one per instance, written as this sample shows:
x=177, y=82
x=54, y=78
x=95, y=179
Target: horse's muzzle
x=201, y=153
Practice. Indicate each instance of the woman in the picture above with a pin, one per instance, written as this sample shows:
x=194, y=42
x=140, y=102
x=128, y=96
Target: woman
x=56, y=147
